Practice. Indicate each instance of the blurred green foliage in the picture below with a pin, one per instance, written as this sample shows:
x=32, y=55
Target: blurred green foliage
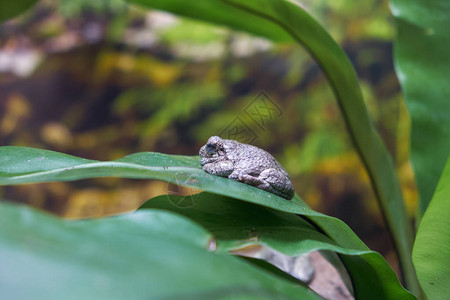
x=75, y=8
x=10, y=9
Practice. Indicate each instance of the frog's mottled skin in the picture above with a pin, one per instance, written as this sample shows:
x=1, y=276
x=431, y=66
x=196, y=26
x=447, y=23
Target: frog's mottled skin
x=247, y=164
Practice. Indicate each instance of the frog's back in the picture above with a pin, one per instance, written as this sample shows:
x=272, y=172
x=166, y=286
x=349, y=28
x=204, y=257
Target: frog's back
x=253, y=160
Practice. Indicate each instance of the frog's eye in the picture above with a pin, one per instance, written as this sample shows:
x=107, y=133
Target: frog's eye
x=210, y=148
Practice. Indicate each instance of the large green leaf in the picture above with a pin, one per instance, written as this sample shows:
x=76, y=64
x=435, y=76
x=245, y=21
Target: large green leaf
x=422, y=62
x=263, y=17
x=10, y=9
x=20, y=165
x=431, y=253
x=146, y=255
x=236, y=224
x=26, y=165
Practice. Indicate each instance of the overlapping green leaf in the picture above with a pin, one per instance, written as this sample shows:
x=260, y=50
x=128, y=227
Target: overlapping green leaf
x=10, y=9
x=263, y=17
x=423, y=67
x=236, y=224
x=146, y=255
x=431, y=253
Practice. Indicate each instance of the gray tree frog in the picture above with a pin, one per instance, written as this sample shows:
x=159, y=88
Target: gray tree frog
x=247, y=164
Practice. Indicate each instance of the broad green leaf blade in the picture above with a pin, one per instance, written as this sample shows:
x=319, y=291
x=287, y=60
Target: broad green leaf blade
x=19, y=165
x=431, y=254
x=285, y=15
x=422, y=63
x=146, y=255
x=236, y=224
x=10, y=9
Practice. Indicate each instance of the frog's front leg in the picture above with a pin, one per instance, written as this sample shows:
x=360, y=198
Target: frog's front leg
x=220, y=168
